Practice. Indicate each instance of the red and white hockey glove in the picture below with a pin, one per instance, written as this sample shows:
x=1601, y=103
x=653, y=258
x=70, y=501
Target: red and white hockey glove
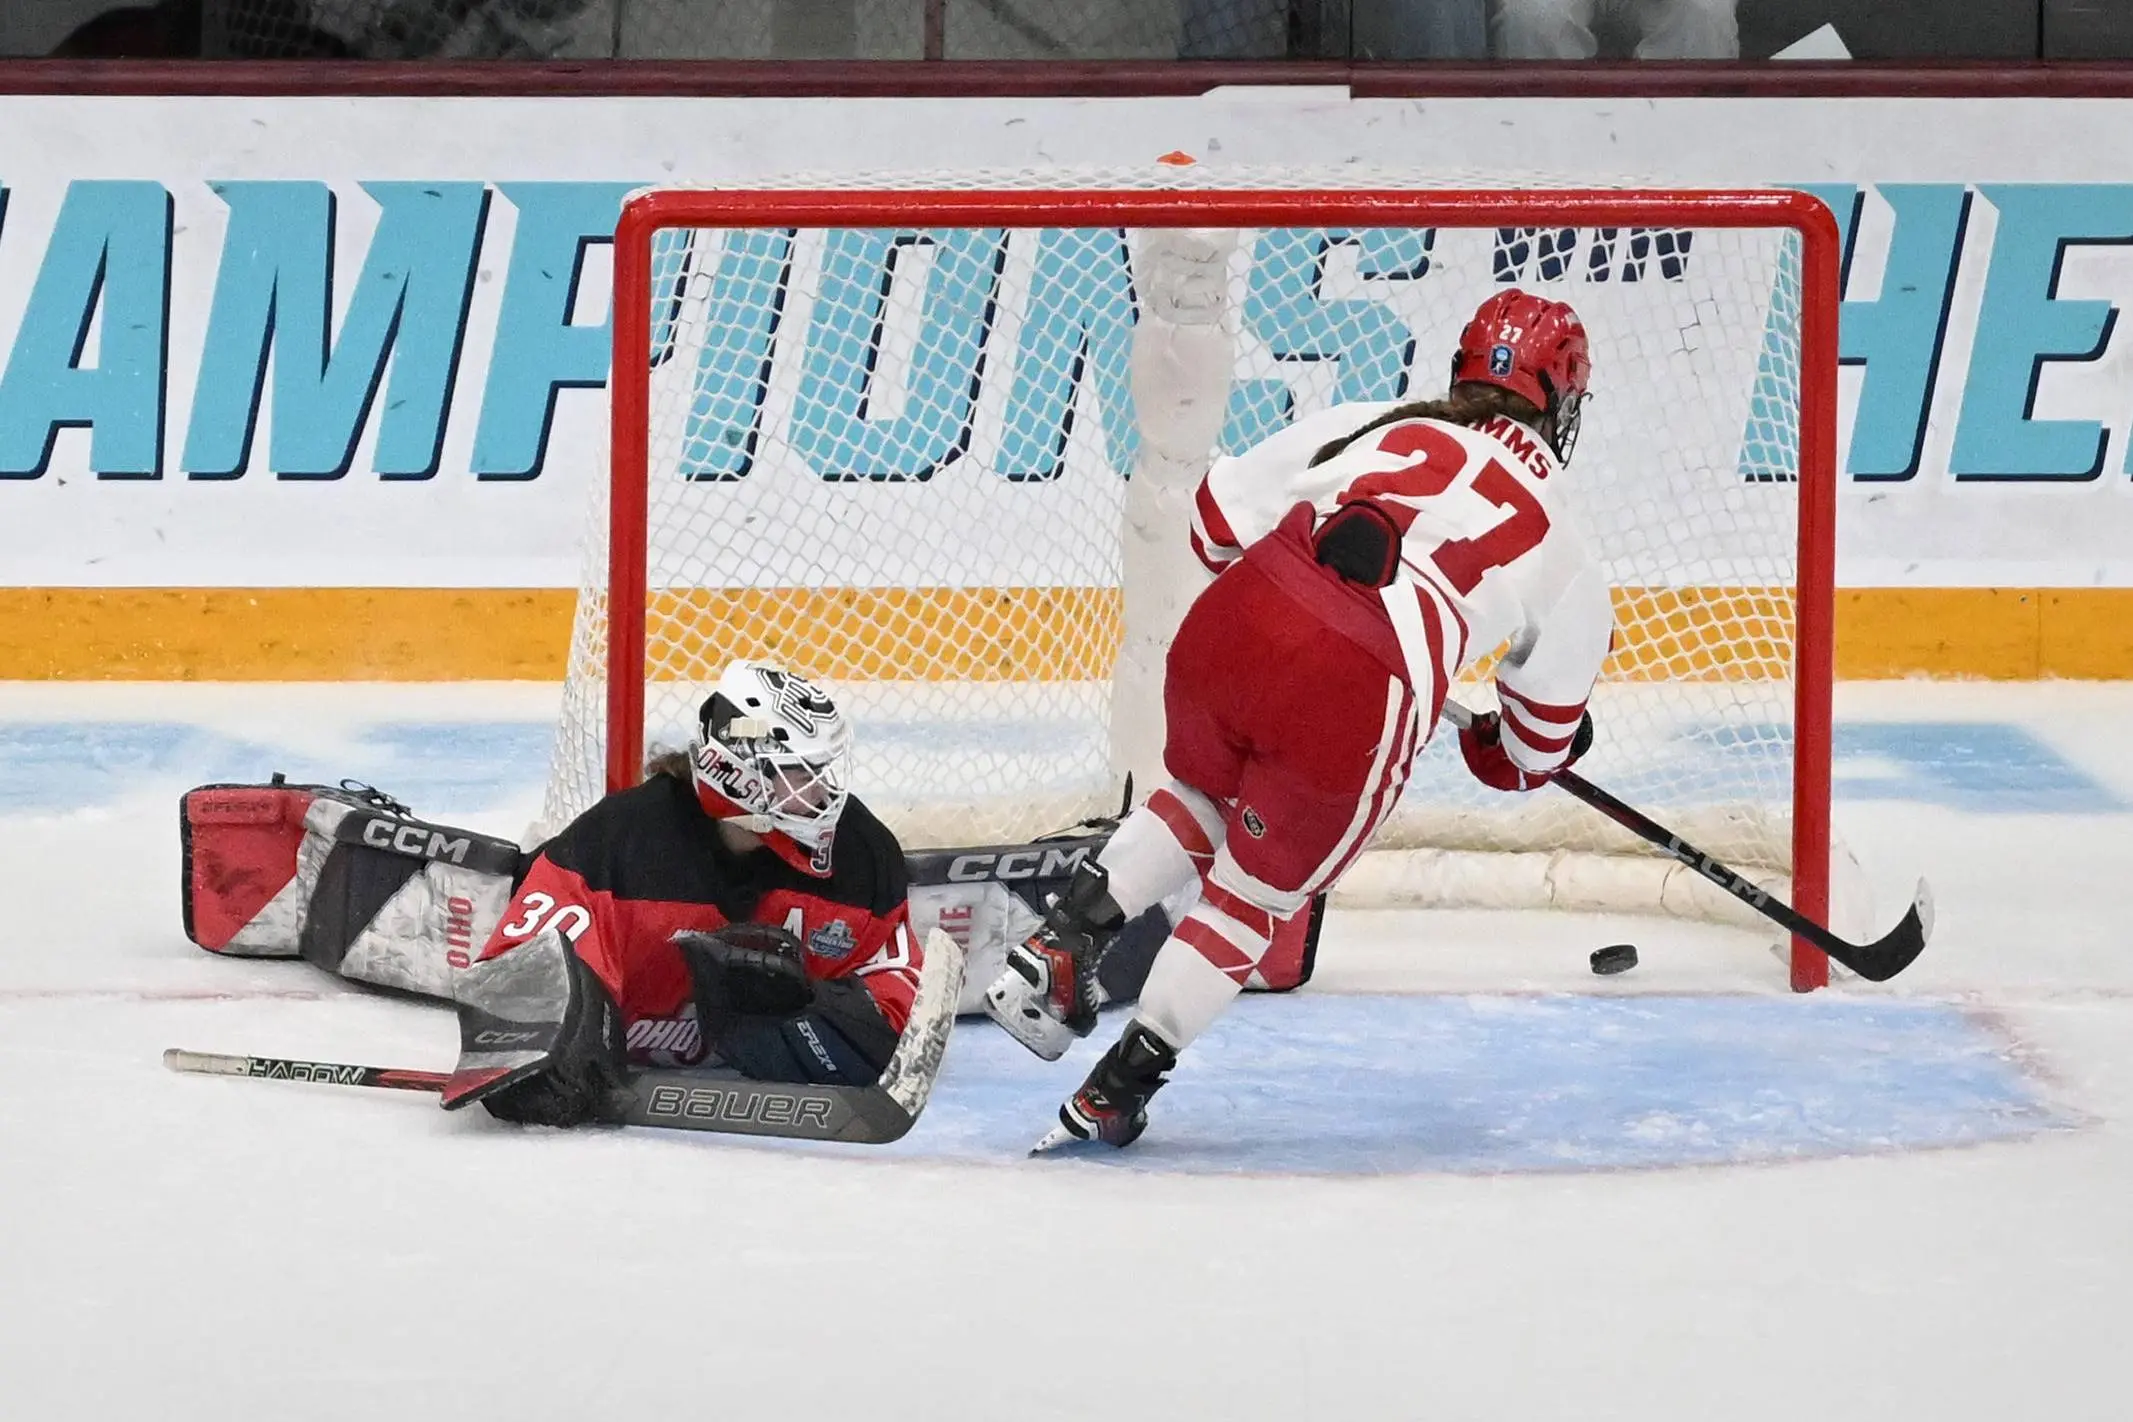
x=1482, y=745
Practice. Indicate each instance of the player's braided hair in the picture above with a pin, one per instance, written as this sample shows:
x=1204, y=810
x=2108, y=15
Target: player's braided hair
x=1468, y=403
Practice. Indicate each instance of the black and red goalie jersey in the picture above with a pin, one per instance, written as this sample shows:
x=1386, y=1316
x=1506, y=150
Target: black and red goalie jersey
x=647, y=863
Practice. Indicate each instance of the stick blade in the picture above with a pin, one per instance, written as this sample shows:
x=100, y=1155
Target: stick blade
x=1897, y=949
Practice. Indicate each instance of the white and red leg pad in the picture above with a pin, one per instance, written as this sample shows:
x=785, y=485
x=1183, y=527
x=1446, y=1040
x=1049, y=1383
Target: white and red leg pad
x=242, y=891
x=352, y=884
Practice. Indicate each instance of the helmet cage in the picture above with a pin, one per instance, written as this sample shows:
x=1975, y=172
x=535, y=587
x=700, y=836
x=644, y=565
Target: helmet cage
x=1566, y=413
x=753, y=770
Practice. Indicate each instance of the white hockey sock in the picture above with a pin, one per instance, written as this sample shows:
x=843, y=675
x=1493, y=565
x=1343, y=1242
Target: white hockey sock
x=1161, y=847
x=1203, y=965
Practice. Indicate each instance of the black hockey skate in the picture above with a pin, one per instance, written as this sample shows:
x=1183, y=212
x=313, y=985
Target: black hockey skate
x=1112, y=1105
x=1047, y=996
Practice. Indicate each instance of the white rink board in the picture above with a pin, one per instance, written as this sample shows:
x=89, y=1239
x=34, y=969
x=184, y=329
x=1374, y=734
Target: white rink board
x=2010, y=481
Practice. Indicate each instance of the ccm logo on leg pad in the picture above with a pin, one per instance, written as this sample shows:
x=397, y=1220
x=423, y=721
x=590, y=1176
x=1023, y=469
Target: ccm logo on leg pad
x=416, y=841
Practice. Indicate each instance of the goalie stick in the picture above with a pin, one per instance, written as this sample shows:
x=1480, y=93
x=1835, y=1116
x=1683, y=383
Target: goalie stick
x=1877, y=961
x=712, y=1100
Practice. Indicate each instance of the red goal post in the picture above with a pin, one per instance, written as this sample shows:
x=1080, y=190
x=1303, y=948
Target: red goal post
x=649, y=213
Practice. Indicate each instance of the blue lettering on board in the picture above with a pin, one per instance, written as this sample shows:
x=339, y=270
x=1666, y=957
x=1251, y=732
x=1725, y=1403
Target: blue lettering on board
x=274, y=298
x=2022, y=324
x=107, y=268
x=1284, y=307
x=732, y=375
x=1898, y=336
x=1524, y=255
x=834, y=427
x=538, y=350
x=1079, y=320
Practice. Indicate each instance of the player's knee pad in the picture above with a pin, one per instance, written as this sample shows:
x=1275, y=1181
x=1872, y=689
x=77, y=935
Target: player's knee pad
x=1201, y=810
x=343, y=877
x=1229, y=875
x=1162, y=847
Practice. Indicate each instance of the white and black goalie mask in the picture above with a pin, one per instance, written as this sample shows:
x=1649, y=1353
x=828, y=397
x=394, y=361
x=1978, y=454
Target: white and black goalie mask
x=773, y=753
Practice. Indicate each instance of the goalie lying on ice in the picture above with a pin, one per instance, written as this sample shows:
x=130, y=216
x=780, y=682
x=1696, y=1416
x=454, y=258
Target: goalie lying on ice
x=738, y=909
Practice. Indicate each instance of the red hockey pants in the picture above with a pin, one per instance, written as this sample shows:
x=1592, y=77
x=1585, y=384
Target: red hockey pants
x=1285, y=695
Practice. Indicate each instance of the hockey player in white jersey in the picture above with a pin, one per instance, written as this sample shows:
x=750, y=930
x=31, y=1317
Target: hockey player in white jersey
x=1365, y=555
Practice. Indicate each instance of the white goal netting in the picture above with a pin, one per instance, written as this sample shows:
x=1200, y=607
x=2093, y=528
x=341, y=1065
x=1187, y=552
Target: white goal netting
x=897, y=455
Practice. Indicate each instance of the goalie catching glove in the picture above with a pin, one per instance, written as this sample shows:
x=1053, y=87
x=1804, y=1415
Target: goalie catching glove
x=762, y=1015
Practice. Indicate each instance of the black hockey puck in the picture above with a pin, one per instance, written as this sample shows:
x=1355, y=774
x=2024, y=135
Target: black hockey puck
x=1614, y=958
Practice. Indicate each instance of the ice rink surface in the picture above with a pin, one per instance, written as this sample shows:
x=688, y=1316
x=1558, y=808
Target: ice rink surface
x=1456, y=1177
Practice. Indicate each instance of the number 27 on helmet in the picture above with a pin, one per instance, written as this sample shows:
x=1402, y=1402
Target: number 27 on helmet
x=1536, y=349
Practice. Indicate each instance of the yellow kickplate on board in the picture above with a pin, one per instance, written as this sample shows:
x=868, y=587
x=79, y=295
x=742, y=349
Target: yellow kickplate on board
x=962, y=634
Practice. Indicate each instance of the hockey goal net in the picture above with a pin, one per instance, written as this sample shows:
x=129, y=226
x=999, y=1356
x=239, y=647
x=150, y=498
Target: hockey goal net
x=934, y=441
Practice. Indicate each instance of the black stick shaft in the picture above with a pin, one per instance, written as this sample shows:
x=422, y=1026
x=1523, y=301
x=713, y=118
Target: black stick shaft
x=1877, y=962
x=683, y=1100
x=713, y=1100
x=1672, y=845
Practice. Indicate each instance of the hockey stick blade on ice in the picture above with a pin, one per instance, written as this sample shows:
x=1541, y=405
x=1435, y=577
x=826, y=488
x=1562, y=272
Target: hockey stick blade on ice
x=1876, y=962
x=716, y=1101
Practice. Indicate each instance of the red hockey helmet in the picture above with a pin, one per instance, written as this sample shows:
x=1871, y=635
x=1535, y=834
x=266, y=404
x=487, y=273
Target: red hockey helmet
x=1532, y=347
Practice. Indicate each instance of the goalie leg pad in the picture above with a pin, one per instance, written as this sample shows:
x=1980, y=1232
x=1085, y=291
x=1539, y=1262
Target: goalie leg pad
x=242, y=850
x=344, y=878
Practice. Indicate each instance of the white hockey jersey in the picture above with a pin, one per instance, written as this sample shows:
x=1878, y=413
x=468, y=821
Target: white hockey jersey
x=1485, y=545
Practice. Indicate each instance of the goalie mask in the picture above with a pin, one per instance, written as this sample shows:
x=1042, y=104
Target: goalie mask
x=772, y=754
